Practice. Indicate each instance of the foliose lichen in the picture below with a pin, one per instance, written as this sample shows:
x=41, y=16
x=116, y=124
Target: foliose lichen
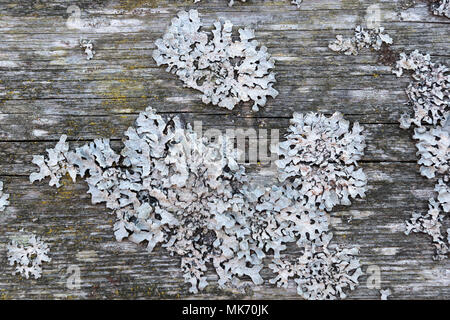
x=320, y=272
x=3, y=198
x=55, y=166
x=226, y=71
x=430, y=223
x=174, y=188
x=88, y=47
x=318, y=160
x=169, y=187
x=428, y=93
x=429, y=96
x=384, y=294
x=433, y=150
x=27, y=255
x=440, y=7
x=297, y=2
x=370, y=38
x=230, y=2
x=317, y=169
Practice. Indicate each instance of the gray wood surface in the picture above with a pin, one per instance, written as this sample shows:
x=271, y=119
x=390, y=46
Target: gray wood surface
x=48, y=88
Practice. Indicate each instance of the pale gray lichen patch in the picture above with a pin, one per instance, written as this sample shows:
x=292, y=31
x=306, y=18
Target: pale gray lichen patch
x=448, y=235
x=284, y=271
x=433, y=150
x=3, y=198
x=370, y=38
x=88, y=47
x=275, y=219
x=431, y=222
x=428, y=93
x=226, y=71
x=317, y=169
x=437, y=7
x=169, y=187
x=318, y=160
x=55, y=166
x=297, y=2
x=325, y=274
x=231, y=2
x=27, y=255
x=442, y=189
x=440, y=7
x=172, y=188
x=320, y=272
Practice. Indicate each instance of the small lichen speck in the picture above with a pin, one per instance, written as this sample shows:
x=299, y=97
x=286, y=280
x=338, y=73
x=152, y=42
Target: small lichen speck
x=384, y=294
x=88, y=47
x=440, y=7
x=320, y=273
x=297, y=2
x=431, y=222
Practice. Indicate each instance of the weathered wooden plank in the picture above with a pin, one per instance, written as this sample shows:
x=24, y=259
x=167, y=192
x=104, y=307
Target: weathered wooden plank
x=395, y=190
x=377, y=102
x=48, y=88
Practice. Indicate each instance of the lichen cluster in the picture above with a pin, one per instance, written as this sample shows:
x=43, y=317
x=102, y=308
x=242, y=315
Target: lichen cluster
x=431, y=222
x=171, y=188
x=428, y=93
x=318, y=160
x=55, y=166
x=168, y=187
x=88, y=48
x=370, y=38
x=3, y=198
x=226, y=71
x=320, y=272
x=297, y=2
x=433, y=150
x=27, y=255
x=429, y=96
x=440, y=7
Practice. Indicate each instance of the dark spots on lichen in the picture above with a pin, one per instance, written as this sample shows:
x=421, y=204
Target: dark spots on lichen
x=406, y=4
x=209, y=238
x=144, y=196
x=387, y=56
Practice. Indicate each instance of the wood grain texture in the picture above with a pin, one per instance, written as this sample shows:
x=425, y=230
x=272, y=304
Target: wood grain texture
x=48, y=88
